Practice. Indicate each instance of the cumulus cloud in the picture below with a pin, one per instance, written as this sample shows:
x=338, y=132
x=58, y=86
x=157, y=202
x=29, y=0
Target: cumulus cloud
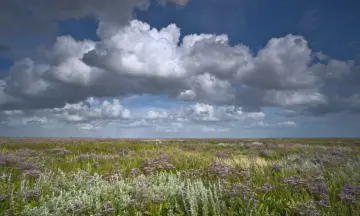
x=137, y=59
x=94, y=114
x=288, y=123
x=82, y=114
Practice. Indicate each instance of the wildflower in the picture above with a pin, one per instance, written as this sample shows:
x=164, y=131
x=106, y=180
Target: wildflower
x=191, y=172
x=107, y=205
x=110, y=210
x=306, y=209
x=316, y=185
x=25, y=152
x=30, y=165
x=219, y=169
x=157, y=163
x=337, y=152
x=349, y=192
x=222, y=155
x=276, y=167
x=134, y=171
x=58, y=151
x=323, y=202
x=32, y=193
x=272, y=146
x=294, y=180
x=33, y=173
x=78, y=207
x=124, y=151
x=266, y=188
x=242, y=191
x=149, y=169
x=264, y=153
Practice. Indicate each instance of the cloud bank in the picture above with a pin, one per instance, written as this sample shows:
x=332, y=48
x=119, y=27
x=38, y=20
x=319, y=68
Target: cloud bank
x=224, y=82
x=203, y=68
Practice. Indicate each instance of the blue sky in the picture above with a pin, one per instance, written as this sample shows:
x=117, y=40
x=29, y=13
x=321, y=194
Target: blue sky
x=101, y=71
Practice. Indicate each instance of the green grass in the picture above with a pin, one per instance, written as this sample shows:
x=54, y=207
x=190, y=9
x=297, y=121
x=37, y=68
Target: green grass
x=191, y=177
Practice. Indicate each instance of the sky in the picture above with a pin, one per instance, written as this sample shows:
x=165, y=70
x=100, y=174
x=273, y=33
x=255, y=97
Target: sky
x=180, y=68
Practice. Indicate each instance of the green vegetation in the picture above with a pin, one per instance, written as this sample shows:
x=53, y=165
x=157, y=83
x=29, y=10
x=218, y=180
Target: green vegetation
x=180, y=177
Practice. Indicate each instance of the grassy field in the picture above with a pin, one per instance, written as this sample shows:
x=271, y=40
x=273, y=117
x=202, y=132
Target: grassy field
x=179, y=177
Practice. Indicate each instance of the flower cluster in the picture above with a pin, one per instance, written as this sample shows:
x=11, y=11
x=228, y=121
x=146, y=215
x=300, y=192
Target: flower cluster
x=108, y=208
x=276, y=167
x=191, y=172
x=30, y=165
x=32, y=193
x=243, y=192
x=124, y=151
x=308, y=209
x=92, y=156
x=293, y=180
x=161, y=162
x=32, y=172
x=58, y=151
x=222, y=155
x=266, y=188
x=25, y=152
x=264, y=153
x=219, y=169
x=134, y=171
x=317, y=187
x=349, y=193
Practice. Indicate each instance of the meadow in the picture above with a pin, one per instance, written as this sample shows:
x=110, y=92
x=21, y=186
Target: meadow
x=180, y=177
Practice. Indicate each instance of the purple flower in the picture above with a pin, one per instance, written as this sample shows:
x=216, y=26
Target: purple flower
x=264, y=153
x=219, y=169
x=349, y=193
x=134, y=171
x=242, y=191
x=33, y=173
x=272, y=146
x=266, y=188
x=294, y=180
x=191, y=172
x=33, y=193
x=30, y=165
x=124, y=151
x=106, y=205
x=157, y=163
x=25, y=152
x=306, y=209
x=79, y=207
x=276, y=167
x=222, y=155
x=58, y=151
x=110, y=210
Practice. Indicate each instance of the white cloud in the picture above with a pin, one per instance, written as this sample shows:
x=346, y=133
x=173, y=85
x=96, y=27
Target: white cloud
x=214, y=129
x=87, y=126
x=288, y=123
x=137, y=59
x=94, y=114
x=35, y=119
